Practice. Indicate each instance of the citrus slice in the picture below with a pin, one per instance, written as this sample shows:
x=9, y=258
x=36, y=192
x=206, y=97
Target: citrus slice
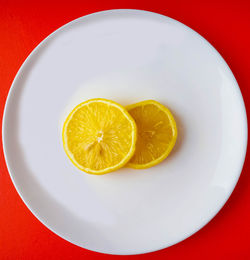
x=157, y=133
x=99, y=136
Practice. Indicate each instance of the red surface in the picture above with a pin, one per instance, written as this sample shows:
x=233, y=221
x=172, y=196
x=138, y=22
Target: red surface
x=225, y=24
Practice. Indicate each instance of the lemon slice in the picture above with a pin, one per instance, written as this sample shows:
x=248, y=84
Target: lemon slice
x=157, y=133
x=99, y=136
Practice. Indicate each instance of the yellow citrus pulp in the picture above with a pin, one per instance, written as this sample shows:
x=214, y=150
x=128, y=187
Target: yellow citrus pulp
x=157, y=133
x=99, y=136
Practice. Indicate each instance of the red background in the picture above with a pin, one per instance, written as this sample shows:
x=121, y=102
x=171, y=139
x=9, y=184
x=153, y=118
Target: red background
x=225, y=24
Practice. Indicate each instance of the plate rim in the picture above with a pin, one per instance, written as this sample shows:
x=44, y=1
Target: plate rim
x=12, y=88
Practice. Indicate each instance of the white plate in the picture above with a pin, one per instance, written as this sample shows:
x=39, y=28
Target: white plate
x=127, y=56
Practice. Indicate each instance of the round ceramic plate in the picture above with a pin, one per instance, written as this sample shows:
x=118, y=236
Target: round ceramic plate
x=127, y=56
